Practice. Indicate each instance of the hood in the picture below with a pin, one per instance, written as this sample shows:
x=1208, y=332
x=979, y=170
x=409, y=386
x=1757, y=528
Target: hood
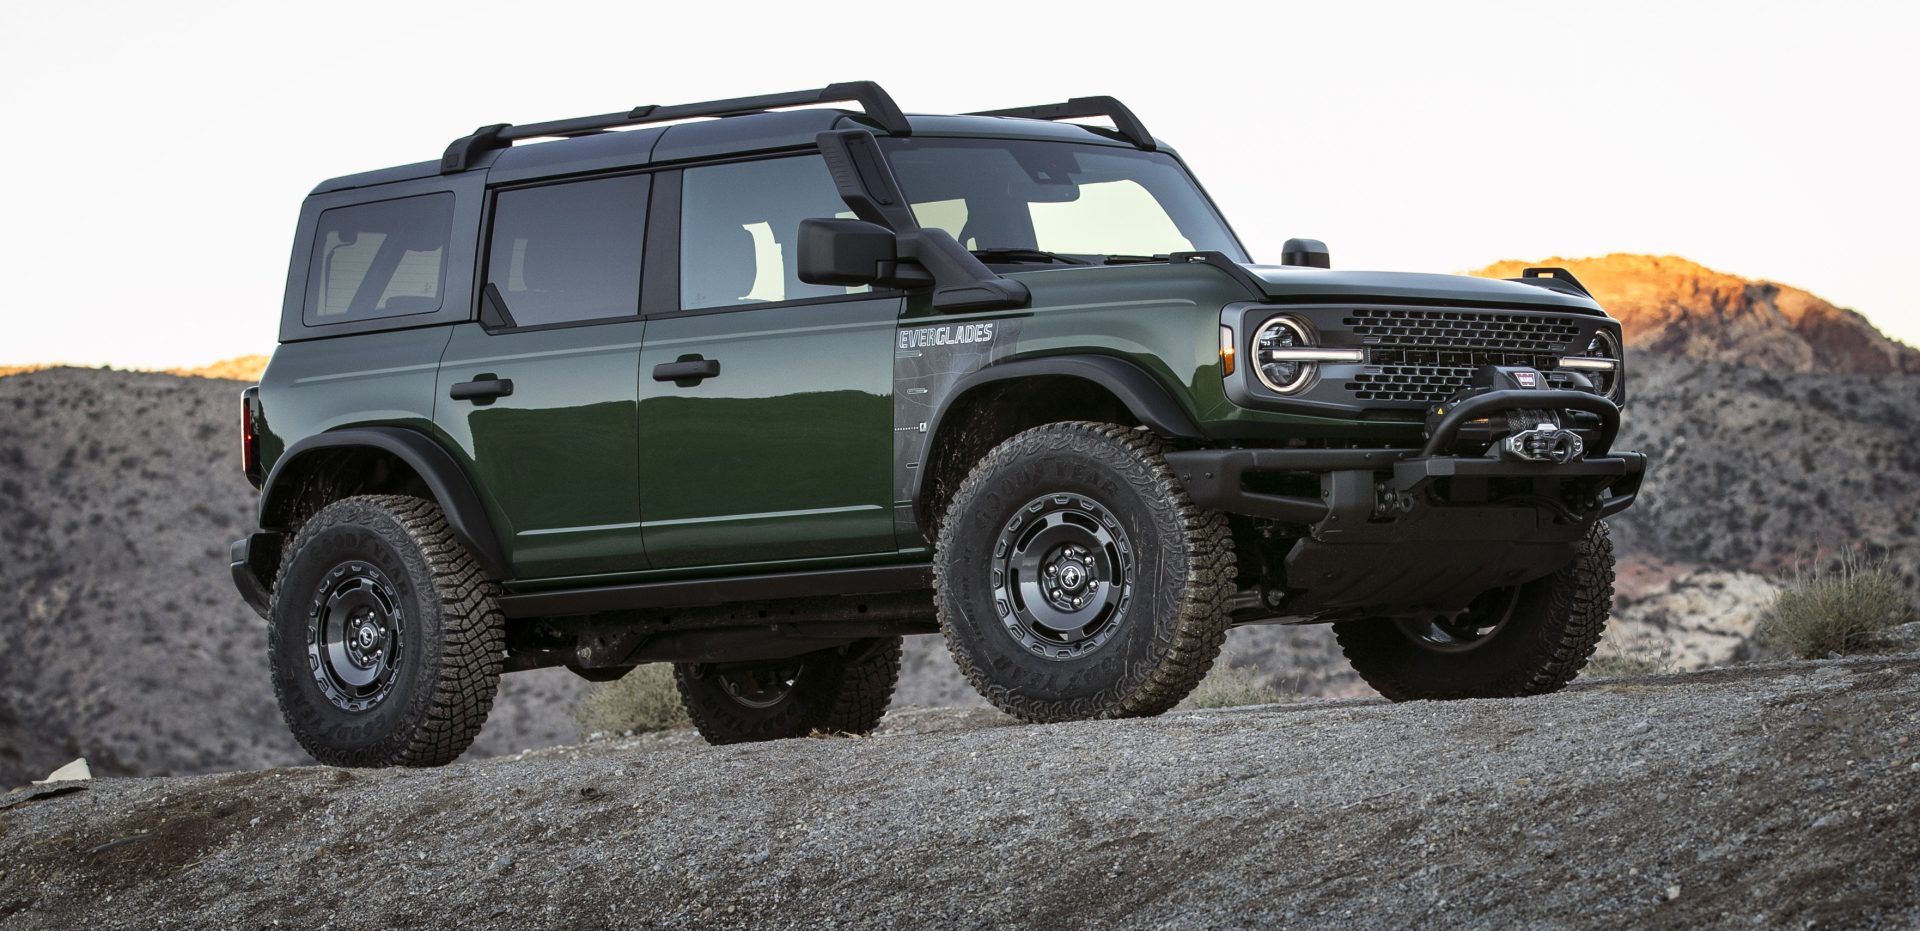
x=1294, y=283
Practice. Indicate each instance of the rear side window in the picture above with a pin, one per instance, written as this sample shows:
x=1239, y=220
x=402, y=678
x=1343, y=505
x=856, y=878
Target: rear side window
x=385, y=259
x=739, y=227
x=563, y=253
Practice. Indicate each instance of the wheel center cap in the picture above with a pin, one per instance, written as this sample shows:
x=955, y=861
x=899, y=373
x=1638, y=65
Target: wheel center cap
x=1070, y=581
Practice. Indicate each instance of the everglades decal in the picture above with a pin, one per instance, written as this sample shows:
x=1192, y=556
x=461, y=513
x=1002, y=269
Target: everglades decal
x=927, y=361
x=956, y=335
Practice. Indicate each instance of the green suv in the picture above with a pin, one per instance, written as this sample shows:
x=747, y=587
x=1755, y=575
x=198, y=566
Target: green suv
x=758, y=386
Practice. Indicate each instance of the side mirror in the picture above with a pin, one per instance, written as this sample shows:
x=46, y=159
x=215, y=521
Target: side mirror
x=853, y=252
x=1311, y=253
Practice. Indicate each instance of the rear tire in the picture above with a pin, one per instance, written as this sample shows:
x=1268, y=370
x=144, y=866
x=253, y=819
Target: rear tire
x=1075, y=579
x=839, y=691
x=1527, y=640
x=384, y=639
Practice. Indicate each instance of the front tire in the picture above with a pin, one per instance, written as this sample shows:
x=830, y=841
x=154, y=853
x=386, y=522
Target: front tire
x=1075, y=579
x=1527, y=640
x=838, y=691
x=384, y=639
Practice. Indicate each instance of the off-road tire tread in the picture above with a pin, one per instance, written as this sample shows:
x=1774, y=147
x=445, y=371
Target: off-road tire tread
x=1188, y=642
x=472, y=629
x=867, y=680
x=842, y=693
x=1561, y=643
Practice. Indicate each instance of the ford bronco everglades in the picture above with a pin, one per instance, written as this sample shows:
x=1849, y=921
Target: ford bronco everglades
x=758, y=386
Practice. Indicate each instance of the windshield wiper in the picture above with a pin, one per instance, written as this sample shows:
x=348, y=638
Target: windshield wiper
x=1135, y=259
x=1026, y=255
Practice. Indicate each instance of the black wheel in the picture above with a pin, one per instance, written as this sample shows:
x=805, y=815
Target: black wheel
x=385, y=642
x=1526, y=640
x=1076, y=580
x=838, y=691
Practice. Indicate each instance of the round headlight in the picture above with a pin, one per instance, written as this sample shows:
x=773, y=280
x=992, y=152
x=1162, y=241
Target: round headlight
x=1277, y=340
x=1606, y=345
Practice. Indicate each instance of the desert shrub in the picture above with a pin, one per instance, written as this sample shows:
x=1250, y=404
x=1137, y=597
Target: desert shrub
x=1838, y=610
x=1230, y=685
x=643, y=700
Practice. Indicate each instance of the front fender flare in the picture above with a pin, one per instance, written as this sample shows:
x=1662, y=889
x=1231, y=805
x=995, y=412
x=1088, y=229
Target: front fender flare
x=1139, y=391
x=466, y=515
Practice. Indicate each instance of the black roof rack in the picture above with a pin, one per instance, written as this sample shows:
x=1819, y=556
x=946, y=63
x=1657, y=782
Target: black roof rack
x=870, y=96
x=1128, y=125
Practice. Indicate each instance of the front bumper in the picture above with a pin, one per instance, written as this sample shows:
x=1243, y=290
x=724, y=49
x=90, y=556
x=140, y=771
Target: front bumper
x=1394, y=531
x=1354, y=480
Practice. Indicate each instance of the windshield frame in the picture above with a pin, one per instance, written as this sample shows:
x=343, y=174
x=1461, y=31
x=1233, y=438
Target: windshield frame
x=1209, y=211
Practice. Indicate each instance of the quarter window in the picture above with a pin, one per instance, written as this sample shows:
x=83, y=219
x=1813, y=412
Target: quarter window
x=385, y=259
x=739, y=228
x=563, y=253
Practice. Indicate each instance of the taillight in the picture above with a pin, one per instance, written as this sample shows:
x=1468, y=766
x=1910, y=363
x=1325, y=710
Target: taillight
x=250, y=435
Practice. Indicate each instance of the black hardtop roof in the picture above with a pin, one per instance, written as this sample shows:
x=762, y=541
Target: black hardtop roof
x=590, y=143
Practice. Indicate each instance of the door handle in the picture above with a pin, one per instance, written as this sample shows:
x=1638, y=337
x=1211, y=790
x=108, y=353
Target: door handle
x=687, y=372
x=481, y=390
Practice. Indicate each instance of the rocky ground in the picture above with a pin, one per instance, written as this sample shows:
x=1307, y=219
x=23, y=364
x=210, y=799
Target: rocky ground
x=1775, y=795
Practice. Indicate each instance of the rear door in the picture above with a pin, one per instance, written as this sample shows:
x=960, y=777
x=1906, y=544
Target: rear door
x=765, y=402
x=542, y=401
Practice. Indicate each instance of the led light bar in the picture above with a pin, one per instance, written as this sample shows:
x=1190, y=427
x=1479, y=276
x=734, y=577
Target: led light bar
x=1591, y=364
x=1314, y=355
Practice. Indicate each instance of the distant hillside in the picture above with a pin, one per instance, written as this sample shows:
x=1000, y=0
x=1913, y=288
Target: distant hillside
x=1779, y=428
x=1674, y=306
x=121, y=637
x=239, y=368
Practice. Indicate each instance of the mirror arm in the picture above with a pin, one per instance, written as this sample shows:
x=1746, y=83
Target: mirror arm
x=903, y=274
x=960, y=280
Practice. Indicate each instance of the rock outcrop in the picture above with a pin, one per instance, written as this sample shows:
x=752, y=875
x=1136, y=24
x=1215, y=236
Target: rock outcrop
x=1673, y=306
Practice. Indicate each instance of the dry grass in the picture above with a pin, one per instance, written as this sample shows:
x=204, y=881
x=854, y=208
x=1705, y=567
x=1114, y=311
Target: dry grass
x=1836, y=611
x=641, y=701
x=1231, y=686
x=1616, y=657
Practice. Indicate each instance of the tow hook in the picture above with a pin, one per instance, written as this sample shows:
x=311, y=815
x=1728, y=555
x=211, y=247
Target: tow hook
x=1544, y=443
x=1389, y=501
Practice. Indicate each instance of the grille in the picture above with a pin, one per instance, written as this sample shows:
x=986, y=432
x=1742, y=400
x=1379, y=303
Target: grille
x=1470, y=330
x=1431, y=384
x=1428, y=356
x=1426, y=383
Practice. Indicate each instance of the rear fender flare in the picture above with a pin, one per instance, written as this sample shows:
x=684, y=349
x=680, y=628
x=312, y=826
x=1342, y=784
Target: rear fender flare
x=451, y=489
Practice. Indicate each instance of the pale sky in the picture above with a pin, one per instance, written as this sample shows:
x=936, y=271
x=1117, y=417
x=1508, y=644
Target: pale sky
x=157, y=154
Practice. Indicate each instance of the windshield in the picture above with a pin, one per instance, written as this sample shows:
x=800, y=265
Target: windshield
x=1024, y=200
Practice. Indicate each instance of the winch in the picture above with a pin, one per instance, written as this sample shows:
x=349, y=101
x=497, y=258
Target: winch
x=1544, y=443
x=1522, y=434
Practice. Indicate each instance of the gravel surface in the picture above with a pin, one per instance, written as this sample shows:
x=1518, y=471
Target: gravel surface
x=1765, y=796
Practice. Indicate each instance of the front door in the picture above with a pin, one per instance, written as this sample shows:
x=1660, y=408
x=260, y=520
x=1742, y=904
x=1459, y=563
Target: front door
x=765, y=402
x=542, y=403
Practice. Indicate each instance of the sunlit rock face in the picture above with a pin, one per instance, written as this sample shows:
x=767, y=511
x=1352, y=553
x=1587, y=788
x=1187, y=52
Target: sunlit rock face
x=1673, y=306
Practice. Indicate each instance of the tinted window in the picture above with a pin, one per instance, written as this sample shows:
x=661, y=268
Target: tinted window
x=387, y=259
x=568, y=252
x=738, y=228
